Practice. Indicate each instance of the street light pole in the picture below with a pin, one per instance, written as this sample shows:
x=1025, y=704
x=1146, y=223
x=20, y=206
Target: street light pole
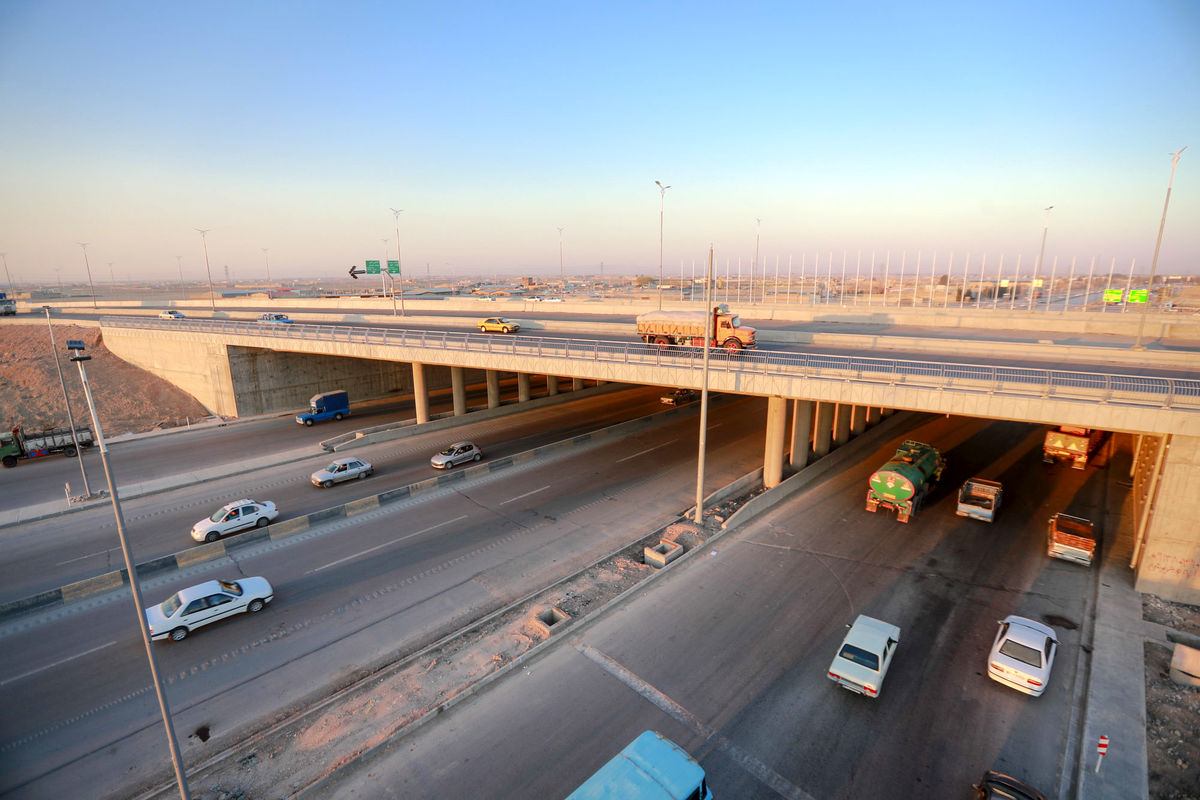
x=179, y=263
x=708, y=334
x=176, y=759
x=754, y=266
x=8, y=277
x=212, y=295
x=87, y=491
x=89, y=272
x=661, y=203
x=267, y=260
x=399, y=266
x=1137, y=345
x=1041, y=255
x=562, y=278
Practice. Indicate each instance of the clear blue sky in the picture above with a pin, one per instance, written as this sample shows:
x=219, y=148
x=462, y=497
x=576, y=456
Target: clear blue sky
x=859, y=126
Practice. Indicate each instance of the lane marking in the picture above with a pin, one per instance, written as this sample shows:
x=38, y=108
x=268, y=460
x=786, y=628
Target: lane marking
x=518, y=497
x=55, y=664
x=752, y=765
x=651, y=450
x=385, y=544
x=89, y=555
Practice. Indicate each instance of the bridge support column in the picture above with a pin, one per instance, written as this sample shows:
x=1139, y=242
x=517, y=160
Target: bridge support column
x=522, y=387
x=420, y=394
x=493, y=388
x=841, y=428
x=858, y=420
x=872, y=415
x=458, y=388
x=823, y=429
x=802, y=414
x=886, y=412
x=773, y=457
x=551, y=385
x=576, y=384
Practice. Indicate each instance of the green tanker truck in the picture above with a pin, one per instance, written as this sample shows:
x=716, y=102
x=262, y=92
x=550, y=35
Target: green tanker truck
x=903, y=482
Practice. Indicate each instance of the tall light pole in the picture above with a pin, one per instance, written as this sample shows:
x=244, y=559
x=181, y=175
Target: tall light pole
x=708, y=335
x=383, y=273
x=1041, y=255
x=8, y=277
x=399, y=267
x=562, y=277
x=662, y=200
x=87, y=492
x=84, y=245
x=1137, y=345
x=267, y=261
x=112, y=276
x=176, y=760
x=179, y=263
x=212, y=295
x=754, y=266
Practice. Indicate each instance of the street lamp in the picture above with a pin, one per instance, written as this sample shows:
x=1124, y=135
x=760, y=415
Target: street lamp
x=661, y=202
x=176, y=760
x=87, y=492
x=89, y=272
x=111, y=276
x=1137, y=344
x=396, y=212
x=267, y=260
x=562, y=278
x=754, y=266
x=8, y=277
x=1041, y=255
x=212, y=295
x=179, y=263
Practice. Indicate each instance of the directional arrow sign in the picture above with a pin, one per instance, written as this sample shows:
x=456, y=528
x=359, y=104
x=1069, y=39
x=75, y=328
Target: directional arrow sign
x=355, y=272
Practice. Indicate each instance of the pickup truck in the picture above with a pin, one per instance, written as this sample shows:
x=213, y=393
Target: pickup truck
x=979, y=499
x=1071, y=539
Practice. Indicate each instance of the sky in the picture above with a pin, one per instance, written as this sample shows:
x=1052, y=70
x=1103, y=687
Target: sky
x=805, y=132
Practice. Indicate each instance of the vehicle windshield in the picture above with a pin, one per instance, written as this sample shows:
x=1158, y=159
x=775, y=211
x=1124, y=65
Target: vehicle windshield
x=233, y=587
x=1022, y=653
x=333, y=467
x=170, y=605
x=449, y=451
x=859, y=656
x=217, y=515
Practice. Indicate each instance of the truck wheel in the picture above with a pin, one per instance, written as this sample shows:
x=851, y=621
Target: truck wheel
x=661, y=341
x=10, y=461
x=338, y=416
x=308, y=423
x=732, y=345
x=69, y=451
x=211, y=536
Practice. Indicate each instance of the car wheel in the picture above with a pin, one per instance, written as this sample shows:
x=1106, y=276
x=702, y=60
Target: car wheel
x=262, y=522
x=478, y=456
x=179, y=634
x=255, y=606
x=327, y=484
x=308, y=423
x=362, y=475
x=449, y=463
x=482, y=329
x=338, y=416
x=211, y=536
x=505, y=330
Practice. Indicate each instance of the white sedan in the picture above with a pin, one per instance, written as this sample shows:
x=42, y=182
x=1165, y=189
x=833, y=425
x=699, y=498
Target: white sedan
x=170, y=314
x=866, y=653
x=1023, y=655
x=233, y=517
x=205, y=603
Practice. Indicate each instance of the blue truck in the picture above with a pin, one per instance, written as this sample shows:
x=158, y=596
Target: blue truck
x=8, y=306
x=651, y=767
x=330, y=405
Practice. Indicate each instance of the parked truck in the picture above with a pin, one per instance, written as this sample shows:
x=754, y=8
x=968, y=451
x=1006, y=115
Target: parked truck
x=686, y=328
x=8, y=306
x=17, y=445
x=1071, y=539
x=979, y=498
x=330, y=405
x=904, y=481
x=1070, y=442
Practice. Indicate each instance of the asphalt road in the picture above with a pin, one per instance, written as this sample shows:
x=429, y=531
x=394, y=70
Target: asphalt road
x=727, y=655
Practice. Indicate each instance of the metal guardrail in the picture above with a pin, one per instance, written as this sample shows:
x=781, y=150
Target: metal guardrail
x=1138, y=390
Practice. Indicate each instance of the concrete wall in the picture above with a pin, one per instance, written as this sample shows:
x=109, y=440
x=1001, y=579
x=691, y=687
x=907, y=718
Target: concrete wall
x=1169, y=560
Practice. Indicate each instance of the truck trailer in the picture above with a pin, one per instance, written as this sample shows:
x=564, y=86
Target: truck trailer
x=1072, y=443
x=17, y=445
x=686, y=329
x=904, y=481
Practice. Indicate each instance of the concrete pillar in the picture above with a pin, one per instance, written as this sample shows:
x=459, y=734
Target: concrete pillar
x=873, y=415
x=885, y=412
x=523, y=393
x=773, y=457
x=458, y=387
x=841, y=426
x=551, y=385
x=823, y=429
x=858, y=420
x=802, y=414
x=493, y=388
x=576, y=384
x=420, y=395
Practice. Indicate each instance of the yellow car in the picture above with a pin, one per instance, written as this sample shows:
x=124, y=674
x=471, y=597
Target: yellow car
x=500, y=324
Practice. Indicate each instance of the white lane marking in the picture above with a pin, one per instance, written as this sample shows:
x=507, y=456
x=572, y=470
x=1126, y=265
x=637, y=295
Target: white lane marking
x=385, y=544
x=55, y=664
x=81, y=558
x=758, y=769
x=651, y=450
x=518, y=497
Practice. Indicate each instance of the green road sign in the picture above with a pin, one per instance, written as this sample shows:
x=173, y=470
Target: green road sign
x=1138, y=295
x=393, y=267
x=1112, y=295
x=373, y=267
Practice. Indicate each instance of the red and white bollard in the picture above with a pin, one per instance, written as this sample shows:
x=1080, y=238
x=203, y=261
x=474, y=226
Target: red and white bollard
x=1102, y=749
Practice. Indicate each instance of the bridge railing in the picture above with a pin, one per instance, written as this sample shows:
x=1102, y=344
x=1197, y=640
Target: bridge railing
x=1137, y=390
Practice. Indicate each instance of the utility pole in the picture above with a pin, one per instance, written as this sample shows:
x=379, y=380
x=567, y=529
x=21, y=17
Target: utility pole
x=1137, y=345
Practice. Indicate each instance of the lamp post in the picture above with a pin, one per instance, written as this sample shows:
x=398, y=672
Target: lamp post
x=562, y=278
x=1041, y=255
x=179, y=263
x=8, y=277
x=399, y=267
x=1137, y=344
x=87, y=492
x=661, y=203
x=84, y=245
x=176, y=760
x=267, y=261
x=112, y=277
x=212, y=295
x=754, y=266
x=708, y=334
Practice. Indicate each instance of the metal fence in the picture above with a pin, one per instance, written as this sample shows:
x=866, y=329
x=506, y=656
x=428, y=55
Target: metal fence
x=1137, y=390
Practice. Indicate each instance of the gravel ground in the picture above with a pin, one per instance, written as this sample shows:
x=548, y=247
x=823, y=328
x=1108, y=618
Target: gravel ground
x=1172, y=711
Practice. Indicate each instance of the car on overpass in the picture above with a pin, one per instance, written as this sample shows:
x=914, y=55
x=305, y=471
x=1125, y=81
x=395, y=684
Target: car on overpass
x=498, y=325
x=342, y=469
x=206, y=603
x=274, y=318
x=232, y=517
x=170, y=313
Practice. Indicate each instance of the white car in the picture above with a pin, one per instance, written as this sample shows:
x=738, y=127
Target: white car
x=342, y=469
x=866, y=653
x=1023, y=655
x=274, y=318
x=208, y=602
x=170, y=314
x=233, y=517
x=457, y=453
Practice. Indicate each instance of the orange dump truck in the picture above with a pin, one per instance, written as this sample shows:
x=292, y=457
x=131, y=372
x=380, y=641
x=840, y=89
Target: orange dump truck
x=665, y=328
x=1071, y=539
x=1072, y=443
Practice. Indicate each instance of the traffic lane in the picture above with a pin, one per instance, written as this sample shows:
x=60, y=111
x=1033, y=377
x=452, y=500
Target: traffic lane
x=751, y=631
x=57, y=551
x=384, y=599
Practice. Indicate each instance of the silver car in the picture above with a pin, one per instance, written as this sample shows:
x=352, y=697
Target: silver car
x=457, y=453
x=342, y=469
